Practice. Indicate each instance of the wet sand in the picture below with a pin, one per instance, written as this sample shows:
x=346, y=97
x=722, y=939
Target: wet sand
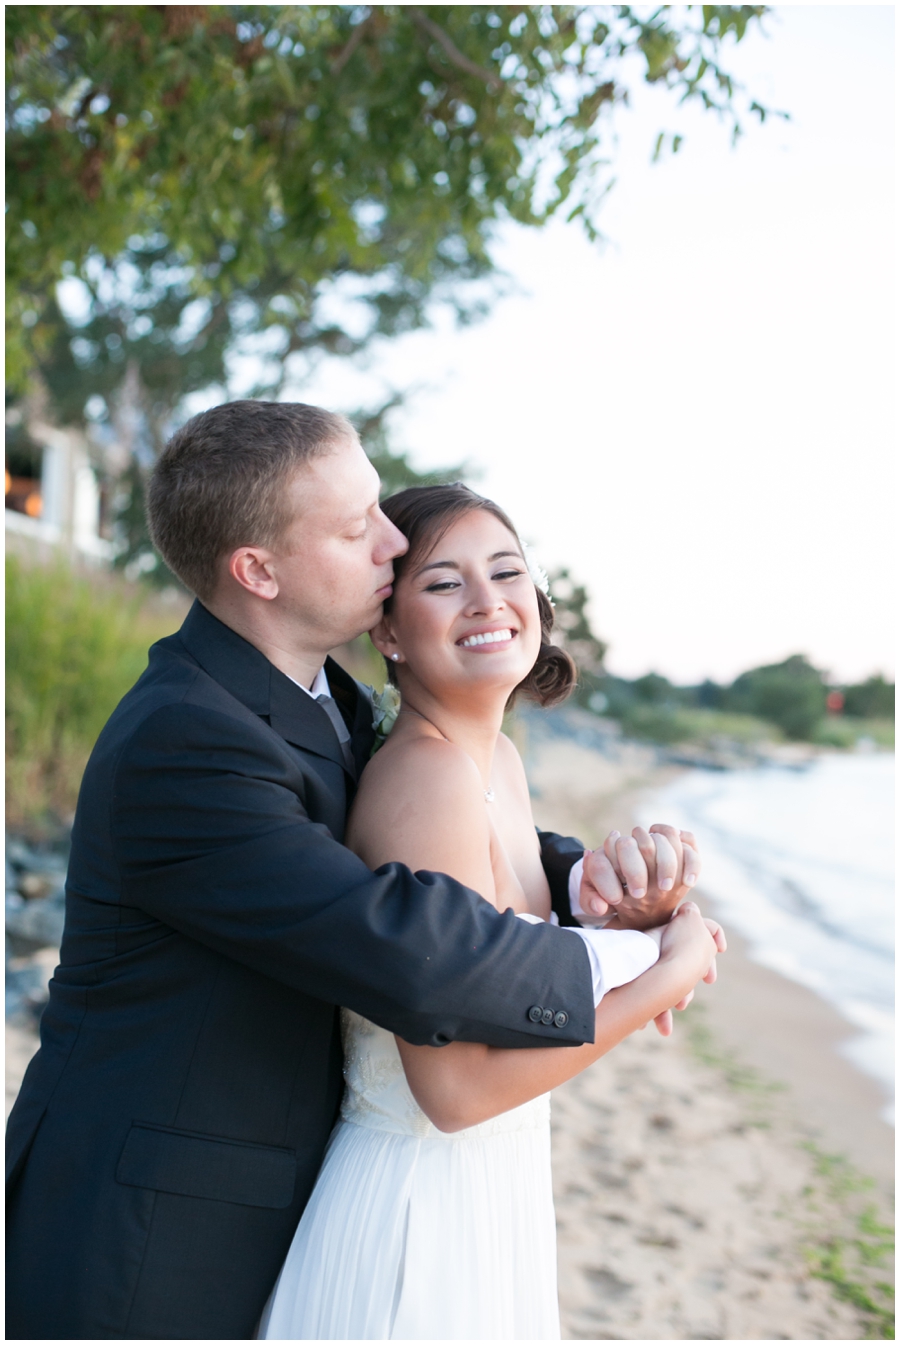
x=688, y=1202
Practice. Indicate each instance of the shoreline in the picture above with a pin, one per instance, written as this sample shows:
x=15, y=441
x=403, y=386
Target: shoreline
x=578, y=791
x=702, y=1183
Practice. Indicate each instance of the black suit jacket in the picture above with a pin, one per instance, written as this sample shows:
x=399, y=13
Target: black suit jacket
x=169, y=1130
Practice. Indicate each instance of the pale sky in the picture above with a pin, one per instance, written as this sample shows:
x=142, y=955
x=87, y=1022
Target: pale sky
x=696, y=419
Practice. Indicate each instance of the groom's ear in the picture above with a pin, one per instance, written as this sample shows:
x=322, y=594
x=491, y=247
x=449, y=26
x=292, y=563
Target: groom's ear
x=382, y=637
x=251, y=567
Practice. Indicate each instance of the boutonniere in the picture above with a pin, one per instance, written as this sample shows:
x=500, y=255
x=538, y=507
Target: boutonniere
x=385, y=709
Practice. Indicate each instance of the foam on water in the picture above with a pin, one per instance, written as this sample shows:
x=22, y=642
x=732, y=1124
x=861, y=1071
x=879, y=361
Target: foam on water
x=800, y=864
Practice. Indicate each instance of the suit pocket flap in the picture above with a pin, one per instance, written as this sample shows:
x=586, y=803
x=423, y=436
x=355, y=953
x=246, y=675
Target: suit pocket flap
x=186, y=1164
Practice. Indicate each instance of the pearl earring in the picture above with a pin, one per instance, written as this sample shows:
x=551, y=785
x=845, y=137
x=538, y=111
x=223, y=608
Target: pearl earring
x=395, y=657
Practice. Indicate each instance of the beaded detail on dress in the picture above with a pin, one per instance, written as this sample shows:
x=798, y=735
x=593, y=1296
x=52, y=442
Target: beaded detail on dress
x=377, y=1096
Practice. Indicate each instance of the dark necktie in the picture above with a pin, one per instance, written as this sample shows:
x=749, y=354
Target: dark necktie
x=329, y=705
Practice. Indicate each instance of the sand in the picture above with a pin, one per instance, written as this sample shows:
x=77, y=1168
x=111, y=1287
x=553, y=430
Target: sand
x=689, y=1205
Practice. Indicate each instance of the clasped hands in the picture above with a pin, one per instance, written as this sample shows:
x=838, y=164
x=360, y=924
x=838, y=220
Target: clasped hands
x=638, y=881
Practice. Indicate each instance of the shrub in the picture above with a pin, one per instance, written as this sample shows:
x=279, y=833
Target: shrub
x=790, y=694
x=872, y=699
x=75, y=644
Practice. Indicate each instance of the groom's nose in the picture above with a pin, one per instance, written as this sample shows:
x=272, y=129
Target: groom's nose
x=392, y=543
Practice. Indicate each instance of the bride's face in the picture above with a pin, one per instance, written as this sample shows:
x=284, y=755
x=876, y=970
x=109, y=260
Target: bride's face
x=465, y=614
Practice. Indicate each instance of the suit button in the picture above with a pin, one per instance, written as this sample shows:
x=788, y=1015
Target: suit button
x=561, y=1019
x=547, y=1017
x=536, y=1013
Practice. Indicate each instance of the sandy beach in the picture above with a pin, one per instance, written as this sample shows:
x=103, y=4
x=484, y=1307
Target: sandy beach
x=702, y=1180
x=699, y=1180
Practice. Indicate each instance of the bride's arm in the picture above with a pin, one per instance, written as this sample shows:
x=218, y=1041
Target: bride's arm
x=422, y=805
x=459, y=1085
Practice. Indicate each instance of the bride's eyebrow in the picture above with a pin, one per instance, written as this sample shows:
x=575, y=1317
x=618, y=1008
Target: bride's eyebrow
x=453, y=565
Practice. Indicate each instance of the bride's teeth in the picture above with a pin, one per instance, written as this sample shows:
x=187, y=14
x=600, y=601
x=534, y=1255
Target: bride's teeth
x=489, y=637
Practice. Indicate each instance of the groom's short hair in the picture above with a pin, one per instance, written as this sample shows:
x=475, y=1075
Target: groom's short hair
x=219, y=482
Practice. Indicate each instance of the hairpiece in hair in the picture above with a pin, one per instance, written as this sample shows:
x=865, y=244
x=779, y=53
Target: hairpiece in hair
x=539, y=576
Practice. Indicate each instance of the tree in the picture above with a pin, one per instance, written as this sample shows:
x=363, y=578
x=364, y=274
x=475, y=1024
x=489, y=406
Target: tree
x=790, y=694
x=872, y=699
x=192, y=185
x=284, y=179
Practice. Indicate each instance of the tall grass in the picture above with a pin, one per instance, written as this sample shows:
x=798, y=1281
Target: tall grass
x=75, y=643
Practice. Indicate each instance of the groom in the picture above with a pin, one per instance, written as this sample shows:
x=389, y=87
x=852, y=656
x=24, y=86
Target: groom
x=169, y=1130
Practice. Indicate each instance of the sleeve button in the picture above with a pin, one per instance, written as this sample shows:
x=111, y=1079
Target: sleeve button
x=536, y=1013
x=547, y=1017
x=561, y=1019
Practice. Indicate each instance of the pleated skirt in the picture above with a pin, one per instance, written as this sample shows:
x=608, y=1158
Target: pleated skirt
x=423, y=1238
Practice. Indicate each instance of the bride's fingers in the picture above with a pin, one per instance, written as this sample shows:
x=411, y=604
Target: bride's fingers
x=718, y=934
x=632, y=865
x=687, y=838
x=691, y=870
x=683, y=1003
x=603, y=881
x=711, y=974
x=664, y=1023
x=666, y=862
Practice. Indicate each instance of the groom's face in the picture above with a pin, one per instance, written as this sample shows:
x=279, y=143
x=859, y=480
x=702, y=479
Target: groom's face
x=334, y=566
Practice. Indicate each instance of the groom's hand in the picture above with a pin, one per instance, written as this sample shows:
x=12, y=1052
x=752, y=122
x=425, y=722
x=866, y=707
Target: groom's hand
x=639, y=879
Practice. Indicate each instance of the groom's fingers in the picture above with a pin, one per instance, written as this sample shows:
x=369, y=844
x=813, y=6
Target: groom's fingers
x=664, y=1023
x=667, y=862
x=691, y=871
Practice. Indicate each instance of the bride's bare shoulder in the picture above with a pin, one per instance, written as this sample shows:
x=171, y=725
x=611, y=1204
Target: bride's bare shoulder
x=421, y=801
x=406, y=766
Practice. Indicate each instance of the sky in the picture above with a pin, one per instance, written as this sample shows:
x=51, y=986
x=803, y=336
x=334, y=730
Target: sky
x=695, y=418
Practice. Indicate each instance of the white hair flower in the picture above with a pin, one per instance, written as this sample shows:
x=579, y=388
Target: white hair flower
x=385, y=709
x=539, y=576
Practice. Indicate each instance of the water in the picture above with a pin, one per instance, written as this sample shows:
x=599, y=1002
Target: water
x=801, y=864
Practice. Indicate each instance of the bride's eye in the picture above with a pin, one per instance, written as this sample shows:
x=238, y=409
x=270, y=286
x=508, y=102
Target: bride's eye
x=508, y=574
x=442, y=586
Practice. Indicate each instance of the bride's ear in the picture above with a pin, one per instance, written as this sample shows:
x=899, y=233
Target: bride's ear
x=382, y=638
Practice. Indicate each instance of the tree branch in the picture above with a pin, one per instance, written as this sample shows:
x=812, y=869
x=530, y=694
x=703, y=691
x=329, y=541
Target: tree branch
x=451, y=51
x=353, y=42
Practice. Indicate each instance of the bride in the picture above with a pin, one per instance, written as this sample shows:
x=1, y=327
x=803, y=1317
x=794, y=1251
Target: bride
x=432, y=1216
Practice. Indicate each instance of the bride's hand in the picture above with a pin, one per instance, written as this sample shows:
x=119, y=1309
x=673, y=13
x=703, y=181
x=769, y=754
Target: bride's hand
x=642, y=877
x=664, y=1022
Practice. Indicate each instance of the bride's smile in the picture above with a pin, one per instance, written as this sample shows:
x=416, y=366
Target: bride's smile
x=464, y=613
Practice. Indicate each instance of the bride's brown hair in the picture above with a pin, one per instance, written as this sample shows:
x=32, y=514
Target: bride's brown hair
x=423, y=514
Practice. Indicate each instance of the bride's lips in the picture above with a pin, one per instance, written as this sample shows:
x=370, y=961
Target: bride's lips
x=487, y=639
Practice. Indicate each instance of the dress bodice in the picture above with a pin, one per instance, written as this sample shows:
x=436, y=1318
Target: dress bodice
x=378, y=1097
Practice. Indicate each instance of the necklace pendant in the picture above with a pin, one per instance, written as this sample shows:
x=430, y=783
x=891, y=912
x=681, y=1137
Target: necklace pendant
x=489, y=795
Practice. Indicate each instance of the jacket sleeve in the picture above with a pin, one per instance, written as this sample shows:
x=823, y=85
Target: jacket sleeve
x=211, y=840
x=558, y=854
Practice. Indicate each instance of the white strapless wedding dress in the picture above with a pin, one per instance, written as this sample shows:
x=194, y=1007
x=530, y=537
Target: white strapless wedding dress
x=414, y=1234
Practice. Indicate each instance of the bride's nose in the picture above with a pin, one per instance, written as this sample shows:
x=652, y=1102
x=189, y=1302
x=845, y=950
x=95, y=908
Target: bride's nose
x=483, y=599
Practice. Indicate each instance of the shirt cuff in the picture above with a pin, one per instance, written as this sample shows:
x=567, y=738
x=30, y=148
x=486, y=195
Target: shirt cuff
x=585, y=917
x=617, y=956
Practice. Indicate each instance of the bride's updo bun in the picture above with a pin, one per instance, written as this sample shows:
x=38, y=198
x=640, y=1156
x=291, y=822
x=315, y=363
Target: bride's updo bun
x=423, y=514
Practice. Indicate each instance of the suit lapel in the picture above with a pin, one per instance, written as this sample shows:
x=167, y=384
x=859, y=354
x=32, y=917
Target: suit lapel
x=249, y=676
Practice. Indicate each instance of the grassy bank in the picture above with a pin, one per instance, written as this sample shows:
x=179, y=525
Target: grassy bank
x=75, y=643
